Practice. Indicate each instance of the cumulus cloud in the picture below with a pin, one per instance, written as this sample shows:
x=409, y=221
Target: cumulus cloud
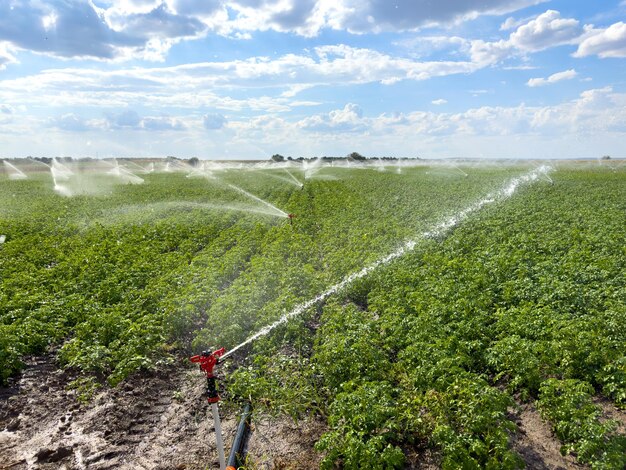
x=547, y=30
x=488, y=53
x=131, y=120
x=125, y=29
x=595, y=110
x=596, y=117
x=6, y=109
x=511, y=23
x=609, y=42
x=213, y=121
x=556, y=77
x=348, y=119
x=199, y=84
x=439, y=102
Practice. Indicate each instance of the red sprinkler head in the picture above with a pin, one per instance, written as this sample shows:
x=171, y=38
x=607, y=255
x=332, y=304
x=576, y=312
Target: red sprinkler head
x=291, y=217
x=207, y=361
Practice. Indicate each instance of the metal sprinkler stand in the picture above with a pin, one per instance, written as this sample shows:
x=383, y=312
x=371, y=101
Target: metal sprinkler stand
x=207, y=361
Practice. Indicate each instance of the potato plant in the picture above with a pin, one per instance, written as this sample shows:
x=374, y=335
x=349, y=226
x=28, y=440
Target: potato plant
x=523, y=301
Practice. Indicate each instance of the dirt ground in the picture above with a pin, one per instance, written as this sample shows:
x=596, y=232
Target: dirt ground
x=155, y=421
x=161, y=421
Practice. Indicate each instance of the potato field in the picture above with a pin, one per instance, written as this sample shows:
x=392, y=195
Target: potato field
x=422, y=304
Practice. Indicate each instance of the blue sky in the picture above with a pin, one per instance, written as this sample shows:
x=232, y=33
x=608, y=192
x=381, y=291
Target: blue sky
x=244, y=79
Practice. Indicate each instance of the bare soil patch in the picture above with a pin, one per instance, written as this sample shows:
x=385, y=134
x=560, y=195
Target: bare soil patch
x=152, y=421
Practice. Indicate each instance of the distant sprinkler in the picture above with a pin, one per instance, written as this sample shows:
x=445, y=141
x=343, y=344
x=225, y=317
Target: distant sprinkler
x=291, y=217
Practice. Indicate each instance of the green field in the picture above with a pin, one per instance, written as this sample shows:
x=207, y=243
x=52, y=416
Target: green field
x=523, y=299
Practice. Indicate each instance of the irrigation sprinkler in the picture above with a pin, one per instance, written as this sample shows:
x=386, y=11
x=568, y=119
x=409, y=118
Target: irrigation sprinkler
x=207, y=361
x=291, y=217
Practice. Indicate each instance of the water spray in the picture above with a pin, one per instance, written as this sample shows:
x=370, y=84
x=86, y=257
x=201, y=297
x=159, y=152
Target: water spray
x=14, y=172
x=439, y=230
x=207, y=361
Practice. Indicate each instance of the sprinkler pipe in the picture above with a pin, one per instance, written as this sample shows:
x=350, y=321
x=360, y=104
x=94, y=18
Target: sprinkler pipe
x=237, y=451
x=207, y=361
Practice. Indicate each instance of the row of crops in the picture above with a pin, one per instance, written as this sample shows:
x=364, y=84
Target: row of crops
x=524, y=301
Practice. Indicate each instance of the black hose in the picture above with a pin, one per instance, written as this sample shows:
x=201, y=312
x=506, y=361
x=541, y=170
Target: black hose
x=236, y=457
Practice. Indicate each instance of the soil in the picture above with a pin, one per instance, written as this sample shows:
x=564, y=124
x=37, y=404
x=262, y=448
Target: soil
x=162, y=421
x=152, y=421
x=536, y=444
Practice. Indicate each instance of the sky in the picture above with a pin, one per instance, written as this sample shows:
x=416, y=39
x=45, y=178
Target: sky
x=246, y=79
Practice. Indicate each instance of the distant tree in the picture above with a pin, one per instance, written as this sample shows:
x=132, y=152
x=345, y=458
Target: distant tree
x=606, y=157
x=356, y=156
x=278, y=158
x=290, y=158
x=193, y=161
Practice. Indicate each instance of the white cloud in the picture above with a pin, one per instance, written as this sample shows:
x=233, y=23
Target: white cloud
x=488, y=53
x=512, y=23
x=609, y=42
x=147, y=29
x=348, y=119
x=303, y=17
x=556, y=77
x=6, y=56
x=594, y=123
x=543, y=32
x=439, y=102
x=596, y=110
x=203, y=84
x=547, y=30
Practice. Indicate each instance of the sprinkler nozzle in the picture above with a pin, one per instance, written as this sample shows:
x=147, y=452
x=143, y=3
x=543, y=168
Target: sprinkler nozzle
x=207, y=361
